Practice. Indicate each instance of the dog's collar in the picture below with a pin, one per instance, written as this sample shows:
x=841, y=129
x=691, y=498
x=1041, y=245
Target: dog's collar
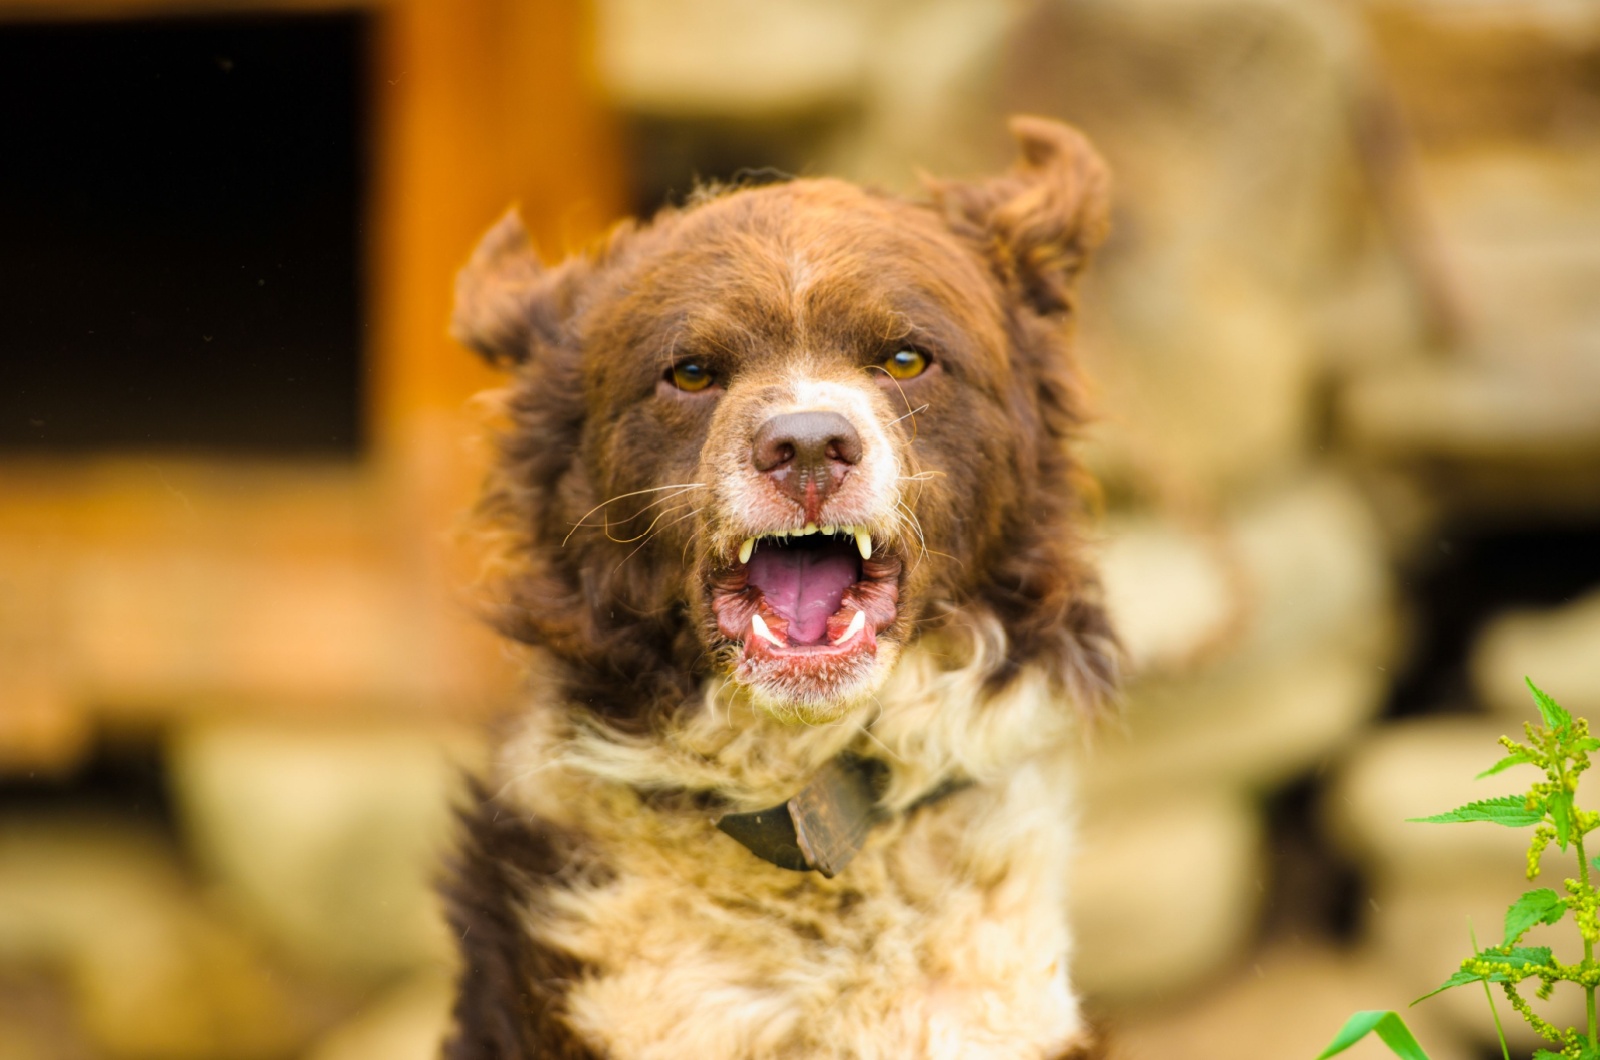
x=823, y=827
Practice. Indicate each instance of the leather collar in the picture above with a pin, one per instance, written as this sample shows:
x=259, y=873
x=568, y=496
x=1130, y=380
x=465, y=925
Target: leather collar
x=824, y=826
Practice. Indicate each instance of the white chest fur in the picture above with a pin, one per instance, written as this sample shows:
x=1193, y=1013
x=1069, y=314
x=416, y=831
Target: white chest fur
x=944, y=938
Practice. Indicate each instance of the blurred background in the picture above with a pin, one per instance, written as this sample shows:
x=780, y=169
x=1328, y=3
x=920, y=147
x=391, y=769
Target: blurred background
x=1346, y=350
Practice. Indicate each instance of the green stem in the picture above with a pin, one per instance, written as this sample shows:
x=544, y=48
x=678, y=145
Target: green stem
x=1500, y=1032
x=1583, y=883
x=1588, y=947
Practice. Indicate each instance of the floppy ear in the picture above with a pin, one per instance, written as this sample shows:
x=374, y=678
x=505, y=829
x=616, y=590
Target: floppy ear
x=1038, y=223
x=506, y=301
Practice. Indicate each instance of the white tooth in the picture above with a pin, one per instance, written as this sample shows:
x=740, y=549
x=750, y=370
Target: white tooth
x=811, y=528
x=760, y=626
x=829, y=529
x=855, y=627
x=864, y=543
x=746, y=549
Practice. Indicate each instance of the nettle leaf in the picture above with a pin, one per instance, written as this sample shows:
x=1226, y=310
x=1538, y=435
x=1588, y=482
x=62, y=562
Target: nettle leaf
x=1509, y=810
x=1515, y=758
x=1543, y=906
x=1554, y=716
x=1458, y=979
x=1560, y=807
x=1545, y=1054
x=1520, y=959
x=1390, y=1028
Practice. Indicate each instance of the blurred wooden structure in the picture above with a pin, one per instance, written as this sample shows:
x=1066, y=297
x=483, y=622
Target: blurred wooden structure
x=135, y=589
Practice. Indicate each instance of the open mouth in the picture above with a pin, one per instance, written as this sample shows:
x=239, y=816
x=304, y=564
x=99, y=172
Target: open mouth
x=807, y=599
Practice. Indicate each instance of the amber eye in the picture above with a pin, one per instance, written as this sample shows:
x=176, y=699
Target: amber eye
x=905, y=364
x=690, y=376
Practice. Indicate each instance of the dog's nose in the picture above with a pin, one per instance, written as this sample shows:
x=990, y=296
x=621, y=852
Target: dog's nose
x=806, y=454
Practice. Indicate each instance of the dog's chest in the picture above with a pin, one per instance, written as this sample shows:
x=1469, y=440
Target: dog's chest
x=944, y=938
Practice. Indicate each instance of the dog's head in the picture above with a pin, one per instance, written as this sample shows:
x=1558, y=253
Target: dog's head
x=784, y=431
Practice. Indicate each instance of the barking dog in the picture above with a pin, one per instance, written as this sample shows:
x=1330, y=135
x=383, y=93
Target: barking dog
x=788, y=519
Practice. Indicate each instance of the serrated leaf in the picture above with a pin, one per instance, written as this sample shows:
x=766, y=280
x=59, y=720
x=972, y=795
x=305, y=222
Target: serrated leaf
x=1554, y=716
x=1589, y=743
x=1545, y=1054
x=1543, y=906
x=1520, y=959
x=1509, y=810
x=1458, y=979
x=1560, y=805
x=1516, y=758
x=1390, y=1028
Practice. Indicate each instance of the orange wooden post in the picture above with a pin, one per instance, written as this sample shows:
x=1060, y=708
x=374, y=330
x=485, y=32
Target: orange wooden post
x=480, y=103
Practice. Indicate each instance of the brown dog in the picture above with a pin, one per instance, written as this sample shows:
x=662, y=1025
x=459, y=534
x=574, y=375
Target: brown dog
x=788, y=514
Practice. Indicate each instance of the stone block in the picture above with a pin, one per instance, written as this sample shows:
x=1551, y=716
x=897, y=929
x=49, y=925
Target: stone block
x=1168, y=592
x=1419, y=767
x=721, y=58
x=407, y=1023
x=1283, y=1003
x=1558, y=648
x=1164, y=892
x=1300, y=569
x=1249, y=727
x=1315, y=572
x=152, y=970
x=329, y=839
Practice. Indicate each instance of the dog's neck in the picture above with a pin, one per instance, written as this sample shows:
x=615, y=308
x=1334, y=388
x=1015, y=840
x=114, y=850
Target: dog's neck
x=932, y=724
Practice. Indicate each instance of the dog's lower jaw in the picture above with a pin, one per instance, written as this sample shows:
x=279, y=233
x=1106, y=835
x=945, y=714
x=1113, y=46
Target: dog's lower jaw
x=807, y=703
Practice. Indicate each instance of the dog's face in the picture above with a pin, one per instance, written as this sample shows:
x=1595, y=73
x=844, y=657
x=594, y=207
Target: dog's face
x=779, y=432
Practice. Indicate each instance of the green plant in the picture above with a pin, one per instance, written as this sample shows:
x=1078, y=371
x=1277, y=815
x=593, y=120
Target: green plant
x=1560, y=748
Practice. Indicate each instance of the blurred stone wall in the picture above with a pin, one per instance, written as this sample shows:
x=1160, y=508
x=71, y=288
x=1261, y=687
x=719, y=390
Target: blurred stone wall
x=1347, y=322
x=1345, y=343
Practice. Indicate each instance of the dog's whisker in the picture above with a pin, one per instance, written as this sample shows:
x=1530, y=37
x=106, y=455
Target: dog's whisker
x=683, y=487
x=920, y=408
x=916, y=528
x=907, y=401
x=662, y=514
x=648, y=535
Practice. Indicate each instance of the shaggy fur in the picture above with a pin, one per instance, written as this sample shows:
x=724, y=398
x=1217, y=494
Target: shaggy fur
x=601, y=912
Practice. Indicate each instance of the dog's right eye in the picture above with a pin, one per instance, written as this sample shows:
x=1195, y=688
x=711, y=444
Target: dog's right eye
x=690, y=375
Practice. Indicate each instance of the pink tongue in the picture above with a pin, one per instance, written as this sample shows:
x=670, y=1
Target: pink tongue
x=804, y=585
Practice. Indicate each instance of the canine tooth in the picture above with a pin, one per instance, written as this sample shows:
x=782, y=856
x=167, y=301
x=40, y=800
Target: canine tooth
x=864, y=543
x=746, y=549
x=855, y=627
x=829, y=529
x=759, y=624
x=811, y=528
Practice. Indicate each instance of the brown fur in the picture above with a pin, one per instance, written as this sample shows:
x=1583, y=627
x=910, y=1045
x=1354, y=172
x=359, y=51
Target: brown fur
x=608, y=581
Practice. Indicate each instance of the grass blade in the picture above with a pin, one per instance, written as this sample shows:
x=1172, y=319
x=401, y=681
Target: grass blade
x=1389, y=1027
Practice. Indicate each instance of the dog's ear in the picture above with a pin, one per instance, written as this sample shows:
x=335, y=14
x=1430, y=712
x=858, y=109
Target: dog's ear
x=507, y=303
x=1039, y=223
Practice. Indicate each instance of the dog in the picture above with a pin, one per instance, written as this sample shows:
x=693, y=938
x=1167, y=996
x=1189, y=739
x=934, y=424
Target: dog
x=785, y=508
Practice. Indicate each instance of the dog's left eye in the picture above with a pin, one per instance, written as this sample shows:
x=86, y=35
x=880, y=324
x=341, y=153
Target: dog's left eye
x=690, y=376
x=905, y=364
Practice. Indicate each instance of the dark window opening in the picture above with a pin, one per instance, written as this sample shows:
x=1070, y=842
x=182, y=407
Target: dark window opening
x=180, y=235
